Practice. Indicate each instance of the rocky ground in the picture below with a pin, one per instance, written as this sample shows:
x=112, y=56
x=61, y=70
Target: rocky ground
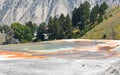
x=92, y=57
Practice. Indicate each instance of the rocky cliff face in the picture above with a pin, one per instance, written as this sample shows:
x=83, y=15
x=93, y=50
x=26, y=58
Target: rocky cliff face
x=39, y=10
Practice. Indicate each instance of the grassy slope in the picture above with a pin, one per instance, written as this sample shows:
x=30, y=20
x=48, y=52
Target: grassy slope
x=110, y=27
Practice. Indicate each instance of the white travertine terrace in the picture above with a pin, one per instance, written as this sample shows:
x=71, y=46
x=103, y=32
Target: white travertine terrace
x=93, y=57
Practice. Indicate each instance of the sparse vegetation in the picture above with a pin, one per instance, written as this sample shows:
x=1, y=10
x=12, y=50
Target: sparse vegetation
x=63, y=27
x=110, y=28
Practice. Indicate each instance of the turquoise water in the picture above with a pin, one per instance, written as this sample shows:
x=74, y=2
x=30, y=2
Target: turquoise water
x=45, y=47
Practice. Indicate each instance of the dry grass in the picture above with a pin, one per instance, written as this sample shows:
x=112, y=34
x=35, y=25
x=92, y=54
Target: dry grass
x=110, y=28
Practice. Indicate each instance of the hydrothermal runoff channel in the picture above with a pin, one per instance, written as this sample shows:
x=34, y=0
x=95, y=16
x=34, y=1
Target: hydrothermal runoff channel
x=61, y=57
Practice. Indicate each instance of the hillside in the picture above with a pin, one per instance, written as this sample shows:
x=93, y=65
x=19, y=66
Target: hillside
x=40, y=10
x=109, y=29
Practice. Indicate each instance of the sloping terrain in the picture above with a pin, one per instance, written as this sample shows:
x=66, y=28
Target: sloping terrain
x=108, y=29
x=40, y=10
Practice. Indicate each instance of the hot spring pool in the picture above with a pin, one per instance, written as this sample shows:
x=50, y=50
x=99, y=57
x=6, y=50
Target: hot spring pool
x=47, y=46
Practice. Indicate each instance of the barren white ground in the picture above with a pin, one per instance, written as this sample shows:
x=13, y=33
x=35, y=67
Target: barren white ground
x=61, y=66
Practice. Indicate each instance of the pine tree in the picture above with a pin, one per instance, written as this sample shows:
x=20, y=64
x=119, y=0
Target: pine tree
x=84, y=15
x=32, y=26
x=100, y=19
x=75, y=17
x=51, y=28
x=68, y=27
x=57, y=28
x=94, y=14
x=62, y=21
x=103, y=8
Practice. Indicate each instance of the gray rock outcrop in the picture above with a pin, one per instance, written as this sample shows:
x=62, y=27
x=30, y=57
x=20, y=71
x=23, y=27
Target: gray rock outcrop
x=40, y=10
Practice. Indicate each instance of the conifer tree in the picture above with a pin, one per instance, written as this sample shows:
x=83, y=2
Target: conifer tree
x=62, y=21
x=75, y=17
x=84, y=11
x=103, y=8
x=94, y=14
x=51, y=29
x=57, y=28
x=68, y=27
